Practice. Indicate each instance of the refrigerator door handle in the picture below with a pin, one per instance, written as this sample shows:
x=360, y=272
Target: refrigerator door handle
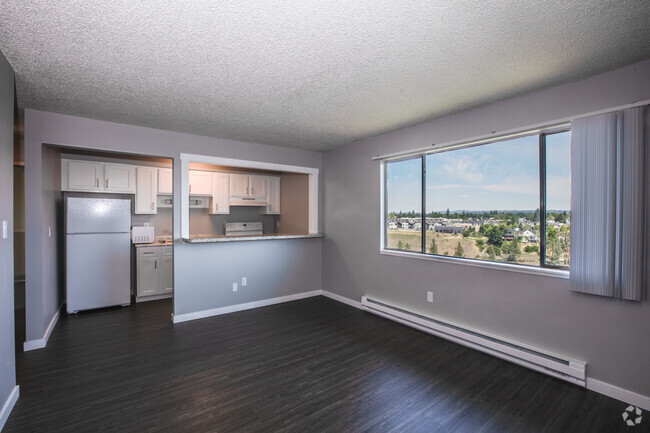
x=155, y=264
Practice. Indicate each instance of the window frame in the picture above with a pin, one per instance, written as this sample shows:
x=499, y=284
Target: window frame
x=542, y=268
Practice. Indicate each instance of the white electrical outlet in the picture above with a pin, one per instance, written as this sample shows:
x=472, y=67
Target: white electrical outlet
x=5, y=234
x=429, y=296
x=234, y=287
x=243, y=281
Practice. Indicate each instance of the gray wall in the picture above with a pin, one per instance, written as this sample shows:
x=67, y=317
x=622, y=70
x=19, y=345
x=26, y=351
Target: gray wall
x=7, y=355
x=294, y=203
x=272, y=269
x=610, y=335
x=190, y=268
x=52, y=246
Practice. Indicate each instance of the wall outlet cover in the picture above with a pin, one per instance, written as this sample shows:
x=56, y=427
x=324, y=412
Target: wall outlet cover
x=243, y=281
x=234, y=287
x=429, y=296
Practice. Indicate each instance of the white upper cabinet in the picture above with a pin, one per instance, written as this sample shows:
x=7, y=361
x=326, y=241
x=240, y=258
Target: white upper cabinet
x=93, y=176
x=200, y=182
x=119, y=178
x=82, y=175
x=165, y=181
x=249, y=188
x=257, y=186
x=273, y=206
x=239, y=185
x=146, y=190
x=220, y=193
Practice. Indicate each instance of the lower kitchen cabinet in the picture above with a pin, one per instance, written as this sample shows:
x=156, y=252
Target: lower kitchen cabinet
x=155, y=273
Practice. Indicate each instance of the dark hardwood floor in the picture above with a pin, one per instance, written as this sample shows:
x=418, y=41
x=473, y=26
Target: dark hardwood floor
x=313, y=365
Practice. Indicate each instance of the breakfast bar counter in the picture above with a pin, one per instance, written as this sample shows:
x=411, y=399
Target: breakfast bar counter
x=201, y=239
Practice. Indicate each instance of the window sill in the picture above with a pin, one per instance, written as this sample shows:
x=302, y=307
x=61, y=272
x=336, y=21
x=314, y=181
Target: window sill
x=545, y=272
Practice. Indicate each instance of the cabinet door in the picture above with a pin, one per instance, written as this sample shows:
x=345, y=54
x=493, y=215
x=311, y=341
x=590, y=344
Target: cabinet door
x=148, y=275
x=273, y=196
x=165, y=181
x=220, y=194
x=145, y=190
x=85, y=176
x=239, y=185
x=166, y=275
x=119, y=178
x=257, y=186
x=200, y=182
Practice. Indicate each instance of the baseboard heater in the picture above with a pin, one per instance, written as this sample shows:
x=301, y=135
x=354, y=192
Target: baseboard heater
x=552, y=364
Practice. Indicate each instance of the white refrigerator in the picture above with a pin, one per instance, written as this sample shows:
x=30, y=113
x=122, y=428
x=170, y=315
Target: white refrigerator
x=98, y=253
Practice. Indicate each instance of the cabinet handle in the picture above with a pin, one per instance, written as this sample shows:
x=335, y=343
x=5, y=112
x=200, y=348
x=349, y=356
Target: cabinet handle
x=97, y=182
x=107, y=183
x=155, y=264
x=190, y=187
x=151, y=205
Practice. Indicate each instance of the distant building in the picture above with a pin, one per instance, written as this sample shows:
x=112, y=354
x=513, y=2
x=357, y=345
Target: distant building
x=528, y=236
x=449, y=229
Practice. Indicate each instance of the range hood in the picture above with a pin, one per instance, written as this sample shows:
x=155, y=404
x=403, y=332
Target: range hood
x=246, y=201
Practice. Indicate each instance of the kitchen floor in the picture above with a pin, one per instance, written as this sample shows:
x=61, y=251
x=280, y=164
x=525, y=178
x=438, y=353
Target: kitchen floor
x=311, y=365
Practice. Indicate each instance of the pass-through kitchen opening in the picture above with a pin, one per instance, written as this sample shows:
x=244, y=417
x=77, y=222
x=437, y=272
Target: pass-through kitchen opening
x=239, y=201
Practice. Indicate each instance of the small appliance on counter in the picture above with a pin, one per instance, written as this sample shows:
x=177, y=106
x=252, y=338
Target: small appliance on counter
x=142, y=234
x=242, y=229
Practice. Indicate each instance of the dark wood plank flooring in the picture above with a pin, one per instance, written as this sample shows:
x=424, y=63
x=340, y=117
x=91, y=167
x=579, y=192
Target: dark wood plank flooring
x=313, y=365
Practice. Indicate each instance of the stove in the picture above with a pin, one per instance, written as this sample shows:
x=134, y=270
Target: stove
x=242, y=229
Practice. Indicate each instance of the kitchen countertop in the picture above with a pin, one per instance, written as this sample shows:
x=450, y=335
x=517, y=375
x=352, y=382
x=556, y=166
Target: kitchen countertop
x=157, y=243
x=201, y=239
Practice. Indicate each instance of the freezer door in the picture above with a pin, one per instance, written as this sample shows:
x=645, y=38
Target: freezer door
x=98, y=270
x=97, y=215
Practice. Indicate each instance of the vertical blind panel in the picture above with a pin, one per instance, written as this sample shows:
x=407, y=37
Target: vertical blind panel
x=608, y=204
x=632, y=219
x=593, y=204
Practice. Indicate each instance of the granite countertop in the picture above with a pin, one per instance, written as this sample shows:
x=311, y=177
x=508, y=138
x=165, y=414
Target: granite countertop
x=159, y=242
x=201, y=239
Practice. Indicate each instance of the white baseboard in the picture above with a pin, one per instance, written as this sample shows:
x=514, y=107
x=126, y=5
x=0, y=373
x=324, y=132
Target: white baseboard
x=42, y=342
x=241, y=307
x=621, y=394
x=8, y=406
x=343, y=299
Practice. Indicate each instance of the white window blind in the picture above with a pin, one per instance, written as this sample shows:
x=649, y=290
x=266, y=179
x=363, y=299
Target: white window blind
x=608, y=203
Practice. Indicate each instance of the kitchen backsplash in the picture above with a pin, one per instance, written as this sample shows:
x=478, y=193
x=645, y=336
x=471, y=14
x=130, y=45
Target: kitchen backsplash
x=203, y=223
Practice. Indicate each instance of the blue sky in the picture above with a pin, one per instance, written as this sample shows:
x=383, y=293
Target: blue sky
x=496, y=176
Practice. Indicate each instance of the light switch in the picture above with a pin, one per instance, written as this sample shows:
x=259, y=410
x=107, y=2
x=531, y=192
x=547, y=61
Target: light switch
x=4, y=230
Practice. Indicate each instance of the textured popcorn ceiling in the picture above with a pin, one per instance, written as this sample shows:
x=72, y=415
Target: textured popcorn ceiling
x=310, y=74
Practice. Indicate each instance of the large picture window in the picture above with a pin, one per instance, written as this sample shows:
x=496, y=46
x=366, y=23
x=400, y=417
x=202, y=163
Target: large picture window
x=505, y=201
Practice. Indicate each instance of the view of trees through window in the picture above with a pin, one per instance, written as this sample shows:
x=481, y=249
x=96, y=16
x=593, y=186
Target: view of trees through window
x=483, y=202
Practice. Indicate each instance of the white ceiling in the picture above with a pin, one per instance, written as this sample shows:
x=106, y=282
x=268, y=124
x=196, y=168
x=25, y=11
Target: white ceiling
x=305, y=73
